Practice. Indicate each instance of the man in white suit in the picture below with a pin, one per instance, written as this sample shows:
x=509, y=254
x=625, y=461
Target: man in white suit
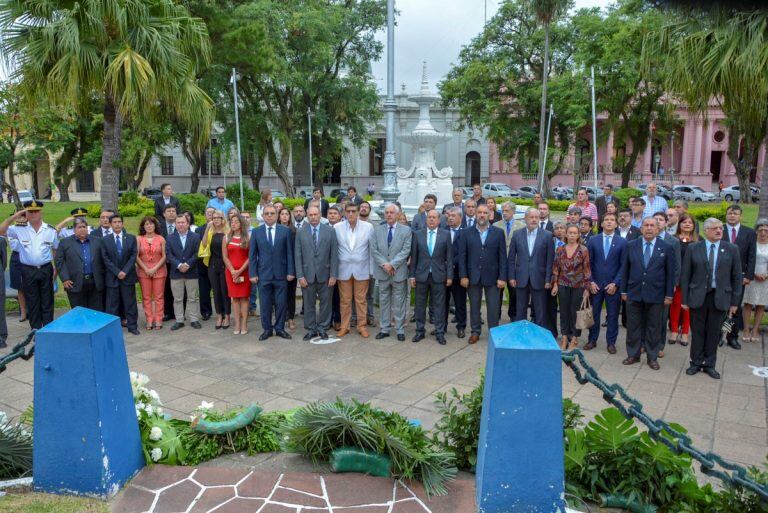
x=353, y=237
x=390, y=248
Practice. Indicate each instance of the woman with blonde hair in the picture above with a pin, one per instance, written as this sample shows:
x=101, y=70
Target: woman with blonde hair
x=212, y=244
x=234, y=252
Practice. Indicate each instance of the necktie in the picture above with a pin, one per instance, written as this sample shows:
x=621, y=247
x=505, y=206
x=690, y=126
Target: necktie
x=389, y=236
x=647, y=254
x=607, y=247
x=269, y=236
x=733, y=235
x=170, y=229
x=314, y=235
x=453, y=234
x=119, y=244
x=543, y=225
x=712, y=262
x=509, y=227
x=471, y=222
x=431, y=242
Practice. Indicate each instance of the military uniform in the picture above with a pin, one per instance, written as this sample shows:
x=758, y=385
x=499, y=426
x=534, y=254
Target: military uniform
x=68, y=231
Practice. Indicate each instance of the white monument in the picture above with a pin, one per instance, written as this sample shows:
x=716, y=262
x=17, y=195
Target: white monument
x=423, y=177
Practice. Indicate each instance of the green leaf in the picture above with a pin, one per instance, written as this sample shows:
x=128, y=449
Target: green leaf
x=610, y=431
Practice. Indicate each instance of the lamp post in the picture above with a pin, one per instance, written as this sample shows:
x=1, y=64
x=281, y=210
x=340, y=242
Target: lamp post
x=309, y=124
x=390, y=193
x=546, y=149
x=594, y=126
x=237, y=136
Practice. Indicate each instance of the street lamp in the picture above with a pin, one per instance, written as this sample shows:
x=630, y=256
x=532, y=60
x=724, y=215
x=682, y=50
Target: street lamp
x=309, y=123
x=237, y=136
x=390, y=193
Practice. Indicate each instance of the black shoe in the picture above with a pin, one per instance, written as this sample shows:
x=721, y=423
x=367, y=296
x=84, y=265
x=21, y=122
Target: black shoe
x=381, y=335
x=323, y=335
x=133, y=331
x=460, y=334
x=401, y=337
x=167, y=318
x=441, y=340
x=453, y=320
x=371, y=320
x=265, y=335
x=452, y=310
x=205, y=317
x=177, y=325
x=418, y=337
x=309, y=335
x=196, y=325
x=712, y=373
x=734, y=343
x=3, y=343
x=693, y=370
x=283, y=334
x=433, y=333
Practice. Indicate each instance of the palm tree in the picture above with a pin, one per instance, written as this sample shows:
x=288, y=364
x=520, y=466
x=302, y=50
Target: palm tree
x=721, y=57
x=137, y=54
x=547, y=11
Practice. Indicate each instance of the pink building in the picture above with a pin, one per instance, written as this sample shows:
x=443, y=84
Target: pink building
x=695, y=154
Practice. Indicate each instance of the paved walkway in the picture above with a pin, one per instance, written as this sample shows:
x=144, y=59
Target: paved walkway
x=189, y=366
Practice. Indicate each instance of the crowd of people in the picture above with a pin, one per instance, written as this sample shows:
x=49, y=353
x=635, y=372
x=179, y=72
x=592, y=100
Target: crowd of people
x=646, y=265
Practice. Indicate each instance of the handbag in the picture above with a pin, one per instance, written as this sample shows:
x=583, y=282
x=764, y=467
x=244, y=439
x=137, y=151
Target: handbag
x=584, y=318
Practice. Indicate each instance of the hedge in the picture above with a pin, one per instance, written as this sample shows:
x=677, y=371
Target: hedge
x=194, y=203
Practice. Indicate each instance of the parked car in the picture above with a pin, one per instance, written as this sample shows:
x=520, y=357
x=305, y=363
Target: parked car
x=528, y=191
x=499, y=190
x=692, y=193
x=151, y=193
x=733, y=193
x=25, y=195
x=209, y=191
x=561, y=193
x=663, y=191
x=468, y=192
x=304, y=191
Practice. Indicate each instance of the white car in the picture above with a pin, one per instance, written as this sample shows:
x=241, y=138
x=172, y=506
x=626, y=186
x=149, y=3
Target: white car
x=692, y=193
x=25, y=195
x=528, y=191
x=499, y=190
x=733, y=193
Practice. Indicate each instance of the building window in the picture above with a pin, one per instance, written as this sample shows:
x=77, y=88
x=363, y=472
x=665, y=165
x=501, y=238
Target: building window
x=719, y=136
x=583, y=156
x=85, y=181
x=166, y=165
x=212, y=159
x=472, y=162
x=376, y=156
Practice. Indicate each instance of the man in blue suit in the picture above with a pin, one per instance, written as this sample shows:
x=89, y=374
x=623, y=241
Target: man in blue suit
x=181, y=250
x=647, y=284
x=271, y=268
x=531, y=254
x=482, y=267
x=606, y=255
x=454, y=218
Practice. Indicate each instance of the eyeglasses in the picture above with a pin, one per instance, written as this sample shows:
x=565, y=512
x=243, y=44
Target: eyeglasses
x=217, y=217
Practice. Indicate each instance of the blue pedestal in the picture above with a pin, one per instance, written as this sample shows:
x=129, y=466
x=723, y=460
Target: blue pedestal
x=87, y=438
x=520, y=453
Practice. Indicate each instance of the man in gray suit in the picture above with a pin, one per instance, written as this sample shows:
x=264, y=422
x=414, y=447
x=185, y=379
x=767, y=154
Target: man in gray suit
x=316, y=257
x=431, y=259
x=710, y=283
x=507, y=224
x=390, y=247
x=419, y=221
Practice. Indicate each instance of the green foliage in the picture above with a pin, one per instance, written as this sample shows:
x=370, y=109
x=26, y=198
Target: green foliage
x=626, y=193
x=15, y=449
x=571, y=414
x=319, y=428
x=194, y=203
x=554, y=205
x=130, y=198
x=133, y=205
x=251, y=196
x=703, y=212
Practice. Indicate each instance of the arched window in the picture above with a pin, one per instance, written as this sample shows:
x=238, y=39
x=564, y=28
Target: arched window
x=472, y=166
x=655, y=155
x=582, y=156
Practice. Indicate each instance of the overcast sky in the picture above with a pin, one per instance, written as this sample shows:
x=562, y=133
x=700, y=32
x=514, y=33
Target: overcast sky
x=434, y=31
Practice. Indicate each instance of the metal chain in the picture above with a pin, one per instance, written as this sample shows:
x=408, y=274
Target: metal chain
x=677, y=442
x=20, y=350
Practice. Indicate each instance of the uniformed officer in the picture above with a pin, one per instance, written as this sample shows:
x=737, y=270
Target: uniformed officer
x=65, y=231
x=36, y=244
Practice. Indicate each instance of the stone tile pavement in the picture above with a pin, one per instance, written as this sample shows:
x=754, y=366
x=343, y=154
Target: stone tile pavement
x=188, y=366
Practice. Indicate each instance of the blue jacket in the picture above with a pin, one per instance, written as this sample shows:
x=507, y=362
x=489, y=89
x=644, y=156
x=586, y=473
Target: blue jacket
x=606, y=271
x=188, y=255
x=271, y=262
x=483, y=265
x=534, y=269
x=651, y=284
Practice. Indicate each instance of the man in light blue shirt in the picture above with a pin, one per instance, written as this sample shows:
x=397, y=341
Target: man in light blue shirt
x=653, y=202
x=220, y=202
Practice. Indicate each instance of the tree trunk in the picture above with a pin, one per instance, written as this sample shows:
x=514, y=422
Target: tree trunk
x=742, y=165
x=111, y=152
x=281, y=167
x=197, y=165
x=257, y=171
x=63, y=189
x=140, y=171
x=542, y=119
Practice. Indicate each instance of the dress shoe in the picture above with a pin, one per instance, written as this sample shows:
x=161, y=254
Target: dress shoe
x=363, y=332
x=196, y=325
x=653, y=365
x=460, y=333
x=401, y=337
x=712, y=373
x=604, y=324
x=473, y=339
x=371, y=320
x=433, y=333
x=309, y=335
x=693, y=370
x=381, y=335
x=589, y=346
x=630, y=360
x=612, y=349
x=205, y=317
x=133, y=331
x=418, y=337
x=167, y=318
x=323, y=335
x=283, y=334
x=734, y=343
x=342, y=332
x=177, y=325
x=3, y=343
x=265, y=335
x=441, y=340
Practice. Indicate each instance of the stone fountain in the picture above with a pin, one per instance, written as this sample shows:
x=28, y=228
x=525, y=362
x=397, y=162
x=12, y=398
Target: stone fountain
x=423, y=177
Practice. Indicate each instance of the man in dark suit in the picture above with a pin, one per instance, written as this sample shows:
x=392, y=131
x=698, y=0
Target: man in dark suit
x=104, y=227
x=711, y=286
x=661, y=220
x=352, y=196
x=455, y=290
x=80, y=267
x=118, y=252
x=531, y=254
x=745, y=239
x=317, y=195
x=507, y=224
x=470, y=209
x=181, y=249
x=626, y=230
x=419, y=221
x=458, y=201
x=167, y=227
x=165, y=199
x=271, y=268
x=430, y=274
x=602, y=202
x=606, y=255
x=545, y=223
x=482, y=267
x=647, y=284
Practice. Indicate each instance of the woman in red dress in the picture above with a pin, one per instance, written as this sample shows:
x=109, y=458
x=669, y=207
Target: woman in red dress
x=234, y=250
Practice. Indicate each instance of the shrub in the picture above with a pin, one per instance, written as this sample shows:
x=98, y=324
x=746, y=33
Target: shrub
x=251, y=197
x=15, y=449
x=130, y=198
x=554, y=205
x=194, y=203
x=625, y=194
x=703, y=212
x=94, y=211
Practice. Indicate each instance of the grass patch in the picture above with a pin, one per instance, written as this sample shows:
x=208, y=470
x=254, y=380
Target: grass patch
x=48, y=503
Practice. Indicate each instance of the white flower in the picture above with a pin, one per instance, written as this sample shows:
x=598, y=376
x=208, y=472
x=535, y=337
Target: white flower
x=140, y=405
x=149, y=409
x=154, y=395
x=138, y=412
x=205, y=406
x=159, y=411
x=156, y=454
x=155, y=434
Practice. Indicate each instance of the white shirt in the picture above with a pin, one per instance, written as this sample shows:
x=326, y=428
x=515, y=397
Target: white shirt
x=105, y=231
x=34, y=247
x=354, y=250
x=729, y=231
